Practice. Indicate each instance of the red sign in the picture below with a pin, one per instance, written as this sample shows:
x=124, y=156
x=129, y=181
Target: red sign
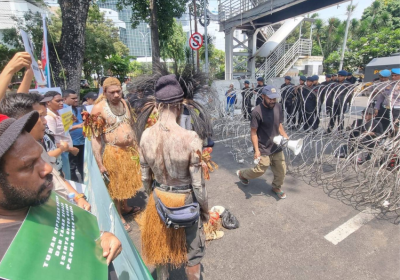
x=196, y=41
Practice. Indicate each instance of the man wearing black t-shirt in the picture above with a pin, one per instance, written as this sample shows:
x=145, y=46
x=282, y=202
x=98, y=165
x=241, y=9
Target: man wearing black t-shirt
x=266, y=123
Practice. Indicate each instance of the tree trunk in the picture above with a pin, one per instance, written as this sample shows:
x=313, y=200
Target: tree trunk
x=71, y=48
x=320, y=46
x=155, y=42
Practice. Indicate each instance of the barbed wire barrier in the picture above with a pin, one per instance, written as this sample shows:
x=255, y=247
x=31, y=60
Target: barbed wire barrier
x=350, y=158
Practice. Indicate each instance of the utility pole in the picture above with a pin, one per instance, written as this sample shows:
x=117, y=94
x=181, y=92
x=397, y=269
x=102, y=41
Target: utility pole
x=345, y=34
x=205, y=38
x=195, y=30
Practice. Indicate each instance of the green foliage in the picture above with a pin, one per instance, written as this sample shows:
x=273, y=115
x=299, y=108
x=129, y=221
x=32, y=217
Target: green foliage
x=375, y=35
x=117, y=66
x=166, y=12
x=137, y=68
x=5, y=55
x=101, y=36
x=217, y=64
x=174, y=46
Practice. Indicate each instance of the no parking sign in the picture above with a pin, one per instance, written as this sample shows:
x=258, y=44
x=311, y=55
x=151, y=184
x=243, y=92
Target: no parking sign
x=196, y=41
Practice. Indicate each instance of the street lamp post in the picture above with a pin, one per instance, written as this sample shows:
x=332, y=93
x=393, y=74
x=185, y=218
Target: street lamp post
x=145, y=43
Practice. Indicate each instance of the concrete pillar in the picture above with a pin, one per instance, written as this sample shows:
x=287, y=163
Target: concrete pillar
x=251, y=64
x=229, y=54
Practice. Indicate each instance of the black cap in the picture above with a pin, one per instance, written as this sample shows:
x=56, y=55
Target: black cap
x=91, y=95
x=260, y=79
x=303, y=78
x=11, y=129
x=328, y=75
x=168, y=90
x=288, y=78
x=310, y=79
x=247, y=82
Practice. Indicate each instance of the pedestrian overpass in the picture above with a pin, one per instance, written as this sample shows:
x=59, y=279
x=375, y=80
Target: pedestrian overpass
x=266, y=24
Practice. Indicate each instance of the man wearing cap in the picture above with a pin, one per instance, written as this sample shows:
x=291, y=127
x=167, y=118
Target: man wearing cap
x=76, y=132
x=287, y=100
x=363, y=134
x=258, y=89
x=315, y=80
x=175, y=174
x=266, y=123
x=350, y=78
x=328, y=79
x=247, y=95
x=334, y=78
x=26, y=181
x=387, y=104
x=90, y=98
x=340, y=99
x=119, y=163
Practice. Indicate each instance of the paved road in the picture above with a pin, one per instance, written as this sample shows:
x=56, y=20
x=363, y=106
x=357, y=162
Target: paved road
x=284, y=239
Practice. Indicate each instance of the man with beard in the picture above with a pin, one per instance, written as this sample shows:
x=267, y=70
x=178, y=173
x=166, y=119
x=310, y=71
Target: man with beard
x=119, y=163
x=266, y=123
x=26, y=181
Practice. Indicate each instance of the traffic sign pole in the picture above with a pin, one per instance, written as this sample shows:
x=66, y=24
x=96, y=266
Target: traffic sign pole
x=205, y=39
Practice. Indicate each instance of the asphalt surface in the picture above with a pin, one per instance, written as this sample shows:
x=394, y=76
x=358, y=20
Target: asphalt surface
x=284, y=239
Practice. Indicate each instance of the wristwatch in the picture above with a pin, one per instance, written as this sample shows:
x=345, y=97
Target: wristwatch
x=79, y=196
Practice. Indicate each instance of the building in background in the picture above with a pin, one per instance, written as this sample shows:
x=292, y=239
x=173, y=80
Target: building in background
x=136, y=39
x=17, y=8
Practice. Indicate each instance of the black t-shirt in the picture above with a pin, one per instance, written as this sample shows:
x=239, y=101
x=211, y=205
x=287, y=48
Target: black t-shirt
x=267, y=122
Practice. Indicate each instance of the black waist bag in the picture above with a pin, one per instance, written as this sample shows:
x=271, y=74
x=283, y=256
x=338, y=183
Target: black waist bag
x=177, y=217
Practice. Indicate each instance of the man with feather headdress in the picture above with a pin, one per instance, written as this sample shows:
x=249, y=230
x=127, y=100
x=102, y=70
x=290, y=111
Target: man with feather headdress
x=172, y=167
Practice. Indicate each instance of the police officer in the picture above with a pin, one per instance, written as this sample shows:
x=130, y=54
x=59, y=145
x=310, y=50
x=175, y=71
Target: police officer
x=298, y=101
x=328, y=79
x=350, y=78
x=315, y=80
x=287, y=96
x=388, y=102
x=339, y=101
x=334, y=78
x=310, y=100
x=247, y=94
x=258, y=89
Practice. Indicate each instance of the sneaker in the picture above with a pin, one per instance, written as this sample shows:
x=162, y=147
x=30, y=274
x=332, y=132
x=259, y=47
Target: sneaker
x=244, y=181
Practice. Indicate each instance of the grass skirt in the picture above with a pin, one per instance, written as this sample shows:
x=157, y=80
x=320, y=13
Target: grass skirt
x=123, y=168
x=162, y=245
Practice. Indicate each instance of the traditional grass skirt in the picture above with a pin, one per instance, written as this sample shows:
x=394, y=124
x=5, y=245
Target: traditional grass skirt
x=162, y=245
x=123, y=168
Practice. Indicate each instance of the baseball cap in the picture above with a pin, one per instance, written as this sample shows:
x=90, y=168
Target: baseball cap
x=91, y=95
x=11, y=129
x=396, y=71
x=342, y=73
x=260, y=79
x=385, y=73
x=288, y=78
x=247, y=82
x=349, y=74
x=270, y=91
x=328, y=75
x=315, y=77
x=303, y=78
x=310, y=79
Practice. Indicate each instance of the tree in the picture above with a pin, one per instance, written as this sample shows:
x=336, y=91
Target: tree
x=153, y=12
x=174, y=46
x=117, y=66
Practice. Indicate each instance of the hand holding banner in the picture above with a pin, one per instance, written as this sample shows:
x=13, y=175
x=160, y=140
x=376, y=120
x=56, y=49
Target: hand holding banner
x=37, y=72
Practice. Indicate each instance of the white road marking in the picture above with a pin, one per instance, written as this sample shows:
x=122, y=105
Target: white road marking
x=343, y=231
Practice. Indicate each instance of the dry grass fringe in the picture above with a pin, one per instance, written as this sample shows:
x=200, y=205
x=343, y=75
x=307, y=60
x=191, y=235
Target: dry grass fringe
x=123, y=166
x=162, y=245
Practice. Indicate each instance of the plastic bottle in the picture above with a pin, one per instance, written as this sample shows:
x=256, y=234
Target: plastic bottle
x=71, y=197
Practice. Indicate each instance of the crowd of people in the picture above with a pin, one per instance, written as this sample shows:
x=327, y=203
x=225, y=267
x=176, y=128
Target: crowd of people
x=167, y=161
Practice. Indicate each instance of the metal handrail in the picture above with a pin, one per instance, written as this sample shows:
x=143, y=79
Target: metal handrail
x=230, y=8
x=273, y=66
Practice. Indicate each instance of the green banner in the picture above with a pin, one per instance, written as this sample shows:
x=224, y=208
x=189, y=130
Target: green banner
x=56, y=240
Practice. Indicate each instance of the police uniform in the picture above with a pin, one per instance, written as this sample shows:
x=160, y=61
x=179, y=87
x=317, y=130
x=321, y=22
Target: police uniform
x=310, y=101
x=339, y=101
x=247, y=95
x=287, y=96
